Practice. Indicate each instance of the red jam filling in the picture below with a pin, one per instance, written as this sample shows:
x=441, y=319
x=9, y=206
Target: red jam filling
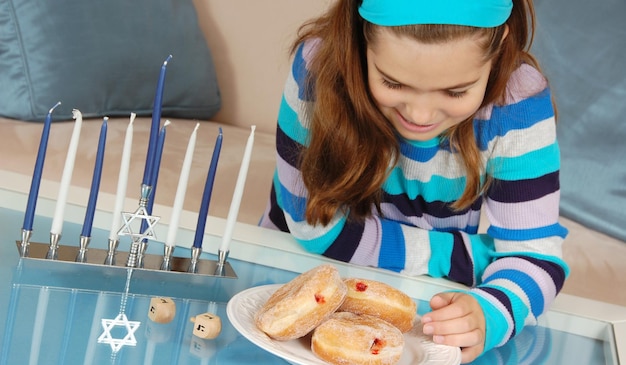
x=377, y=346
x=360, y=286
x=320, y=299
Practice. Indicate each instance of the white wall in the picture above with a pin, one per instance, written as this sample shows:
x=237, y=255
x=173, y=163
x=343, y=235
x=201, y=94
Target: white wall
x=249, y=40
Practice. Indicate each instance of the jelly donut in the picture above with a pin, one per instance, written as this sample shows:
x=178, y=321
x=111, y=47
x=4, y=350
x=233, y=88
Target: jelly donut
x=300, y=305
x=349, y=338
x=380, y=300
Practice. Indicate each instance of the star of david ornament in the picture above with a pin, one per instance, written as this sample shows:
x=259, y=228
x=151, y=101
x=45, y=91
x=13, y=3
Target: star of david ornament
x=117, y=343
x=140, y=214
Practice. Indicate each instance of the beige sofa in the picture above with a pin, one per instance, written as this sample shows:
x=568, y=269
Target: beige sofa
x=251, y=59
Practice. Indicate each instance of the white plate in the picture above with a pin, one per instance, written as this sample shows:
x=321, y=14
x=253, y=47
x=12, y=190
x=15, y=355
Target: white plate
x=419, y=349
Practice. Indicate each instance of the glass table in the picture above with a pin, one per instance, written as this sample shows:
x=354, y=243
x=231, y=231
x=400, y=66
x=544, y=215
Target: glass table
x=55, y=312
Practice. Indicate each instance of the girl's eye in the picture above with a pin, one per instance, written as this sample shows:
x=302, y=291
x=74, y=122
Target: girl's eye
x=455, y=94
x=391, y=85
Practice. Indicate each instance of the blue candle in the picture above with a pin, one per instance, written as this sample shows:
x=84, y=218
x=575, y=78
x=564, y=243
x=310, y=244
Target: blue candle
x=157, y=164
x=95, y=182
x=154, y=129
x=206, y=196
x=34, y=185
x=155, y=173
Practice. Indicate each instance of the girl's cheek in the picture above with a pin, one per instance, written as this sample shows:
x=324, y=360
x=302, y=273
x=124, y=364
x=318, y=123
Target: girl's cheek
x=464, y=107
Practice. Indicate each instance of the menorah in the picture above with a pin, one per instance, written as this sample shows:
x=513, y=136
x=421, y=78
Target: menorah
x=139, y=224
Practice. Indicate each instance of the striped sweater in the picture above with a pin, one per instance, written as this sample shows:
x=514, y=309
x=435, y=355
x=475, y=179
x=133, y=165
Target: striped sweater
x=514, y=271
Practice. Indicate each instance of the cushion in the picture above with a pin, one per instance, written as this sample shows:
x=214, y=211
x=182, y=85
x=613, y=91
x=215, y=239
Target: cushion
x=581, y=45
x=104, y=58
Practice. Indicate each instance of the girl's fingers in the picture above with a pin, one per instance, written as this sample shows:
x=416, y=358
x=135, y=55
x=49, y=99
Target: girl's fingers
x=467, y=339
x=448, y=306
x=453, y=326
x=456, y=320
x=441, y=300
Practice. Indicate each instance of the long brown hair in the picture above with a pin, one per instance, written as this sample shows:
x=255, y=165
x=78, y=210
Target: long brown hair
x=351, y=145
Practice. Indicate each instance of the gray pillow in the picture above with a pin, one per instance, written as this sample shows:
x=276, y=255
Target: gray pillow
x=103, y=57
x=582, y=47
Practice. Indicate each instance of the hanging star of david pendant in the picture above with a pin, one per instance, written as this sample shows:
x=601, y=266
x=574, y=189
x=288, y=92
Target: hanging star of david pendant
x=117, y=343
x=140, y=214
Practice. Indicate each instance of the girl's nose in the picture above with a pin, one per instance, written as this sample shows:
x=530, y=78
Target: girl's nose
x=420, y=110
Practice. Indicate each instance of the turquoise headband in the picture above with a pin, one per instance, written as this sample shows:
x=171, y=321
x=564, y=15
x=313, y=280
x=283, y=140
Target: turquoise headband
x=475, y=13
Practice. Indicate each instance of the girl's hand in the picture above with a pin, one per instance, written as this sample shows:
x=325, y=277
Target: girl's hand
x=456, y=319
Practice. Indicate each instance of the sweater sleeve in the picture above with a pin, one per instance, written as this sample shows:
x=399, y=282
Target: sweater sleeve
x=522, y=206
x=514, y=271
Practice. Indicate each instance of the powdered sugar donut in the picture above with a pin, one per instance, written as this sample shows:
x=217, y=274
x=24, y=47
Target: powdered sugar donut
x=380, y=300
x=348, y=338
x=300, y=305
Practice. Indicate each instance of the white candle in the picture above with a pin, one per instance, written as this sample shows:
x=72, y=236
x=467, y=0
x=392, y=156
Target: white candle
x=236, y=201
x=66, y=178
x=183, y=179
x=122, y=180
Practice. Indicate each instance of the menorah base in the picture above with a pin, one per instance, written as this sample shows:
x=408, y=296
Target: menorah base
x=96, y=256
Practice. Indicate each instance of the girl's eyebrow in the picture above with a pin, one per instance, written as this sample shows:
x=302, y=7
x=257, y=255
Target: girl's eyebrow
x=458, y=86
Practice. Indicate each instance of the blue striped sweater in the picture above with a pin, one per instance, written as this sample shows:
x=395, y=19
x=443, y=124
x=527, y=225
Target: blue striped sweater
x=514, y=271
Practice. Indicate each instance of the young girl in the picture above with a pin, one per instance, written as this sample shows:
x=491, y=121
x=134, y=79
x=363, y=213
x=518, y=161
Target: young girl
x=403, y=119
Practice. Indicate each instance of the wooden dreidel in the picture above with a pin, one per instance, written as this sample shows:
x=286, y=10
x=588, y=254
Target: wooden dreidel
x=207, y=325
x=162, y=310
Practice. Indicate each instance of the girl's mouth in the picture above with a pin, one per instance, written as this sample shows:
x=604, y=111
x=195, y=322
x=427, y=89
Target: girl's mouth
x=416, y=128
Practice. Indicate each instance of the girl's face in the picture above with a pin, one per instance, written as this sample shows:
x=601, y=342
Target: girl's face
x=424, y=89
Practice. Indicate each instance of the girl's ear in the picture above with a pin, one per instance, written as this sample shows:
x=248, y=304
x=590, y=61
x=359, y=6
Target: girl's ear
x=505, y=33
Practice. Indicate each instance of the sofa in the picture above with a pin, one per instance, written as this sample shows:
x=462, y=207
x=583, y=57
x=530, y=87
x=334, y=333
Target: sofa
x=245, y=46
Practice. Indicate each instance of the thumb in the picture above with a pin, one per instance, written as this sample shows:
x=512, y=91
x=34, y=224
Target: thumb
x=441, y=300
